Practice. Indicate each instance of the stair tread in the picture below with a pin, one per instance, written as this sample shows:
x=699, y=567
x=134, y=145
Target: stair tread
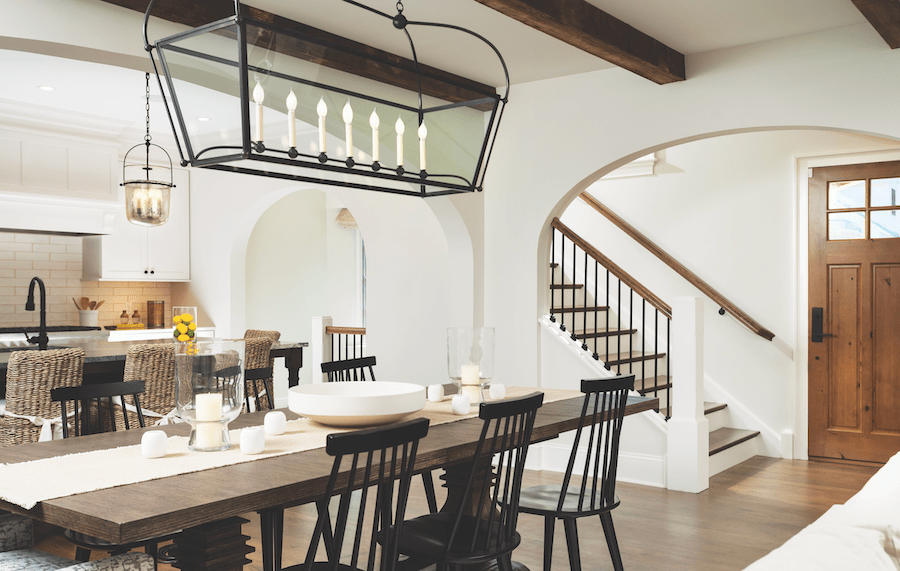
x=566, y=286
x=651, y=384
x=708, y=408
x=603, y=333
x=725, y=438
x=579, y=309
x=632, y=357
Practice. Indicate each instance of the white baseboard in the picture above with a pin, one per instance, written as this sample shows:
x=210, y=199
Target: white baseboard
x=633, y=468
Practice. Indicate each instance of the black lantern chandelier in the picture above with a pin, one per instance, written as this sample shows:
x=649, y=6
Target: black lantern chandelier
x=146, y=200
x=270, y=77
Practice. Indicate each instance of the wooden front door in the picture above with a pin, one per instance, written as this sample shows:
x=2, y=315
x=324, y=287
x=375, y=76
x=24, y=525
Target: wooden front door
x=854, y=312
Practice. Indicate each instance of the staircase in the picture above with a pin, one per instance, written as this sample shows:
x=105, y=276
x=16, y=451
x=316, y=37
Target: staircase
x=628, y=335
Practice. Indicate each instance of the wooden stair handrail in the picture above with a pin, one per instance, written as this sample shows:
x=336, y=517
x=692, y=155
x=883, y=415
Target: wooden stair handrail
x=687, y=274
x=330, y=330
x=614, y=269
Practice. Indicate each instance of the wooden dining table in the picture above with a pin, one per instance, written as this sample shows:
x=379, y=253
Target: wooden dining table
x=207, y=505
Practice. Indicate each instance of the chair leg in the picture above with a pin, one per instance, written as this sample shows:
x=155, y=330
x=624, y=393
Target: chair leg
x=505, y=563
x=82, y=554
x=610, y=532
x=429, y=492
x=549, y=525
x=150, y=549
x=569, y=524
x=271, y=530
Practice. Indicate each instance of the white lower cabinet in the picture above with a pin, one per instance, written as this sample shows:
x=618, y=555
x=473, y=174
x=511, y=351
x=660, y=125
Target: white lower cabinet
x=141, y=253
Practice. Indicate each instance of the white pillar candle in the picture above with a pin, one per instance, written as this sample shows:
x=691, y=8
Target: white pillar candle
x=208, y=407
x=374, y=122
x=461, y=404
x=253, y=440
x=469, y=374
x=498, y=391
x=208, y=435
x=275, y=422
x=400, y=128
x=291, y=103
x=435, y=393
x=423, y=132
x=348, y=128
x=153, y=444
x=322, y=111
x=259, y=96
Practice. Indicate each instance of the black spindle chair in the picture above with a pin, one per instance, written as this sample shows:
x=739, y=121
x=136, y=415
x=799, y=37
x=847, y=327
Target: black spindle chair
x=481, y=527
x=99, y=408
x=350, y=370
x=375, y=461
x=595, y=494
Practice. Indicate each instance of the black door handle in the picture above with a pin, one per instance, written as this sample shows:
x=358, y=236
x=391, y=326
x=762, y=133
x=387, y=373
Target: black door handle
x=817, y=317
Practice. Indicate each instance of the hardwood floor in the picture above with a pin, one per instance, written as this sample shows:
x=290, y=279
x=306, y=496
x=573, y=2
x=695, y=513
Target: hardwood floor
x=746, y=512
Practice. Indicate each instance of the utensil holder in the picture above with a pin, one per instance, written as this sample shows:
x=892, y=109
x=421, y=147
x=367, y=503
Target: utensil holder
x=88, y=317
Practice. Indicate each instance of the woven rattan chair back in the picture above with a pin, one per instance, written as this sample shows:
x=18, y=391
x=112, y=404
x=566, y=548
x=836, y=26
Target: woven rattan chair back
x=350, y=370
x=30, y=376
x=155, y=365
x=260, y=385
x=258, y=374
x=96, y=407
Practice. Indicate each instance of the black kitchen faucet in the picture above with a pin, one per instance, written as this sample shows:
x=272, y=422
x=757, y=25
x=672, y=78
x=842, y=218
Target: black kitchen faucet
x=41, y=338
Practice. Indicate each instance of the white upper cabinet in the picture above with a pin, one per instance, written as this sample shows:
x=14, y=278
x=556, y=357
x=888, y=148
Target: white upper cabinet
x=141, y=253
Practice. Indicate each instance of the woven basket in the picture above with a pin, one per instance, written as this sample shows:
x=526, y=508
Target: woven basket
x=30, y=376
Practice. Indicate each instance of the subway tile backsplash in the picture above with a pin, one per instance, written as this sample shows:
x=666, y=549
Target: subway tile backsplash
x=57, y=261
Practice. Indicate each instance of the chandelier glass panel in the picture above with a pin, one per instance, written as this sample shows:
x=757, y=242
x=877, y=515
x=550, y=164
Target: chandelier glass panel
x=279, y=99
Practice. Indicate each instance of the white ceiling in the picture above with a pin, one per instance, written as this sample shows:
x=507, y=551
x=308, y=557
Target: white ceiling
x=688, y=26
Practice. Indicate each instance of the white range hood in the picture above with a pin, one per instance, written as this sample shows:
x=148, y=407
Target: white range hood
x=54, y=214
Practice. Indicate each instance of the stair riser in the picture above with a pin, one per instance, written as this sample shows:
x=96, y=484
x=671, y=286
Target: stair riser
x=717, y=419
x=733, y=456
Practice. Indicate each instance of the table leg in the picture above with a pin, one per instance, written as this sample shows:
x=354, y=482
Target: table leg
x=215, y=546
x=293, y=360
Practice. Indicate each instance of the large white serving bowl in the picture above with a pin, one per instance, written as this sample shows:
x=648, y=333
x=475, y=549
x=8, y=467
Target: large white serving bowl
x=356, y=403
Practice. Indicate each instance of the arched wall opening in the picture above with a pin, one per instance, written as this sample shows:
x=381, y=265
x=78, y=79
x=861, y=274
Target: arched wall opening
x=732, y=208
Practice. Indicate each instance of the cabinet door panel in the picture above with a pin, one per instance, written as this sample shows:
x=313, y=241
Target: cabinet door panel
x=169, y=257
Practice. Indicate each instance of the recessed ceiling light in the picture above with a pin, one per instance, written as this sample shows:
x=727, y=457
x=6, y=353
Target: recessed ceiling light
x=202, y=118
x=46, y=88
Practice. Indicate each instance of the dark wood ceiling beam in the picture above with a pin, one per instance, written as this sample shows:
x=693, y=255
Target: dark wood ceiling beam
x=435, y=83
x=588, y=28
x=884, y=15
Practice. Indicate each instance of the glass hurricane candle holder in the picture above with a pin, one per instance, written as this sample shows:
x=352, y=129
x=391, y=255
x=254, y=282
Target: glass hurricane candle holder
x=209, y=389
x=470, y=359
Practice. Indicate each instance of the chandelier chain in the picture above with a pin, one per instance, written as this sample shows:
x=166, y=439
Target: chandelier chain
x=147, y=109
x=399, y=7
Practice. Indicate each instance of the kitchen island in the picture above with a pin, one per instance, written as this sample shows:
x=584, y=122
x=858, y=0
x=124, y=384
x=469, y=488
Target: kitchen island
x=104, y=361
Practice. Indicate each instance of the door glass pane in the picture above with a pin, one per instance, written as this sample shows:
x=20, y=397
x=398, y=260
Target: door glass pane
x=847, y=226
x=885, y=191
x=848, y=194
x=885, y=224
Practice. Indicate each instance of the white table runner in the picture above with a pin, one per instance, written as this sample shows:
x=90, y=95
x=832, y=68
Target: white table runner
x=27, y=483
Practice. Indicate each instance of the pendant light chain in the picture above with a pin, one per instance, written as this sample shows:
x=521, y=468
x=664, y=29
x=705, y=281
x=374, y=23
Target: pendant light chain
x=147, y=109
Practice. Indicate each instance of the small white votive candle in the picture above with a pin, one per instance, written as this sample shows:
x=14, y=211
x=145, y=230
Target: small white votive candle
x=253, y=440
x=153, y=444
x=275, y=422
x=498, y=391
x=435, y=393
x=469, y=374
x=461, y=404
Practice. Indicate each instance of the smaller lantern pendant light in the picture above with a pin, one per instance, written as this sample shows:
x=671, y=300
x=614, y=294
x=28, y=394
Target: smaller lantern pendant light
x=147, y=201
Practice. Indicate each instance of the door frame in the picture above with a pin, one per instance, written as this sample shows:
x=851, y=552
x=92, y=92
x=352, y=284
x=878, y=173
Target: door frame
x=801, y=279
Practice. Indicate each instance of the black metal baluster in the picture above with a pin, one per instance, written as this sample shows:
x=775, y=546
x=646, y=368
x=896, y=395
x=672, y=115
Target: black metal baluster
x=668, y=378
x=606, y=359
x=574, y=269
x=630, y=328
x=596, y=301
x=584, y=345
x=619, y=326
x=552, y=272
x=562, y=284
x=655, y=353
x=643, y=345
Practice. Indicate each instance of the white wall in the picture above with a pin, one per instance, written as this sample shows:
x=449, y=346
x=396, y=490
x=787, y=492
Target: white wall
x=578, y=128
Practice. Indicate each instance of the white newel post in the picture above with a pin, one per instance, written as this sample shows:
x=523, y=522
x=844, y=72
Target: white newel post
x=320, y=346
x=687, y=461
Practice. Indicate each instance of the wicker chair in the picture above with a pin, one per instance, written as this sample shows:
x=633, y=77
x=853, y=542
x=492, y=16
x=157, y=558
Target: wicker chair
x=155, y=365
x=255, y=388
x=258, y=374
x=17, y=552
x=30, y=376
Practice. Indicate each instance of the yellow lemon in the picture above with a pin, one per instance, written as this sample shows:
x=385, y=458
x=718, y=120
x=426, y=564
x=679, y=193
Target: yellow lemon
x=183, y=338
x=181, y=327
x=187, y=317
x=177, y=319
x=192, y=326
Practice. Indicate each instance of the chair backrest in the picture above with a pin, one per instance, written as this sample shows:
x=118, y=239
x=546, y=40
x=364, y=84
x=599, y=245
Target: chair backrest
x=97, y=408
x=155, y=365
x=350, y=370
x=494, y=493
x=30, y=376
x=370, y=461
x=258, y=372
x=602, y=415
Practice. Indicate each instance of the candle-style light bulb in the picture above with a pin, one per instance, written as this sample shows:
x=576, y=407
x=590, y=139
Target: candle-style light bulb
x=348, y=127
x=322, y=110
x=423, y=132
x=291, y=103
x=259, y=95
x=400, y=128
x=374, y=122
